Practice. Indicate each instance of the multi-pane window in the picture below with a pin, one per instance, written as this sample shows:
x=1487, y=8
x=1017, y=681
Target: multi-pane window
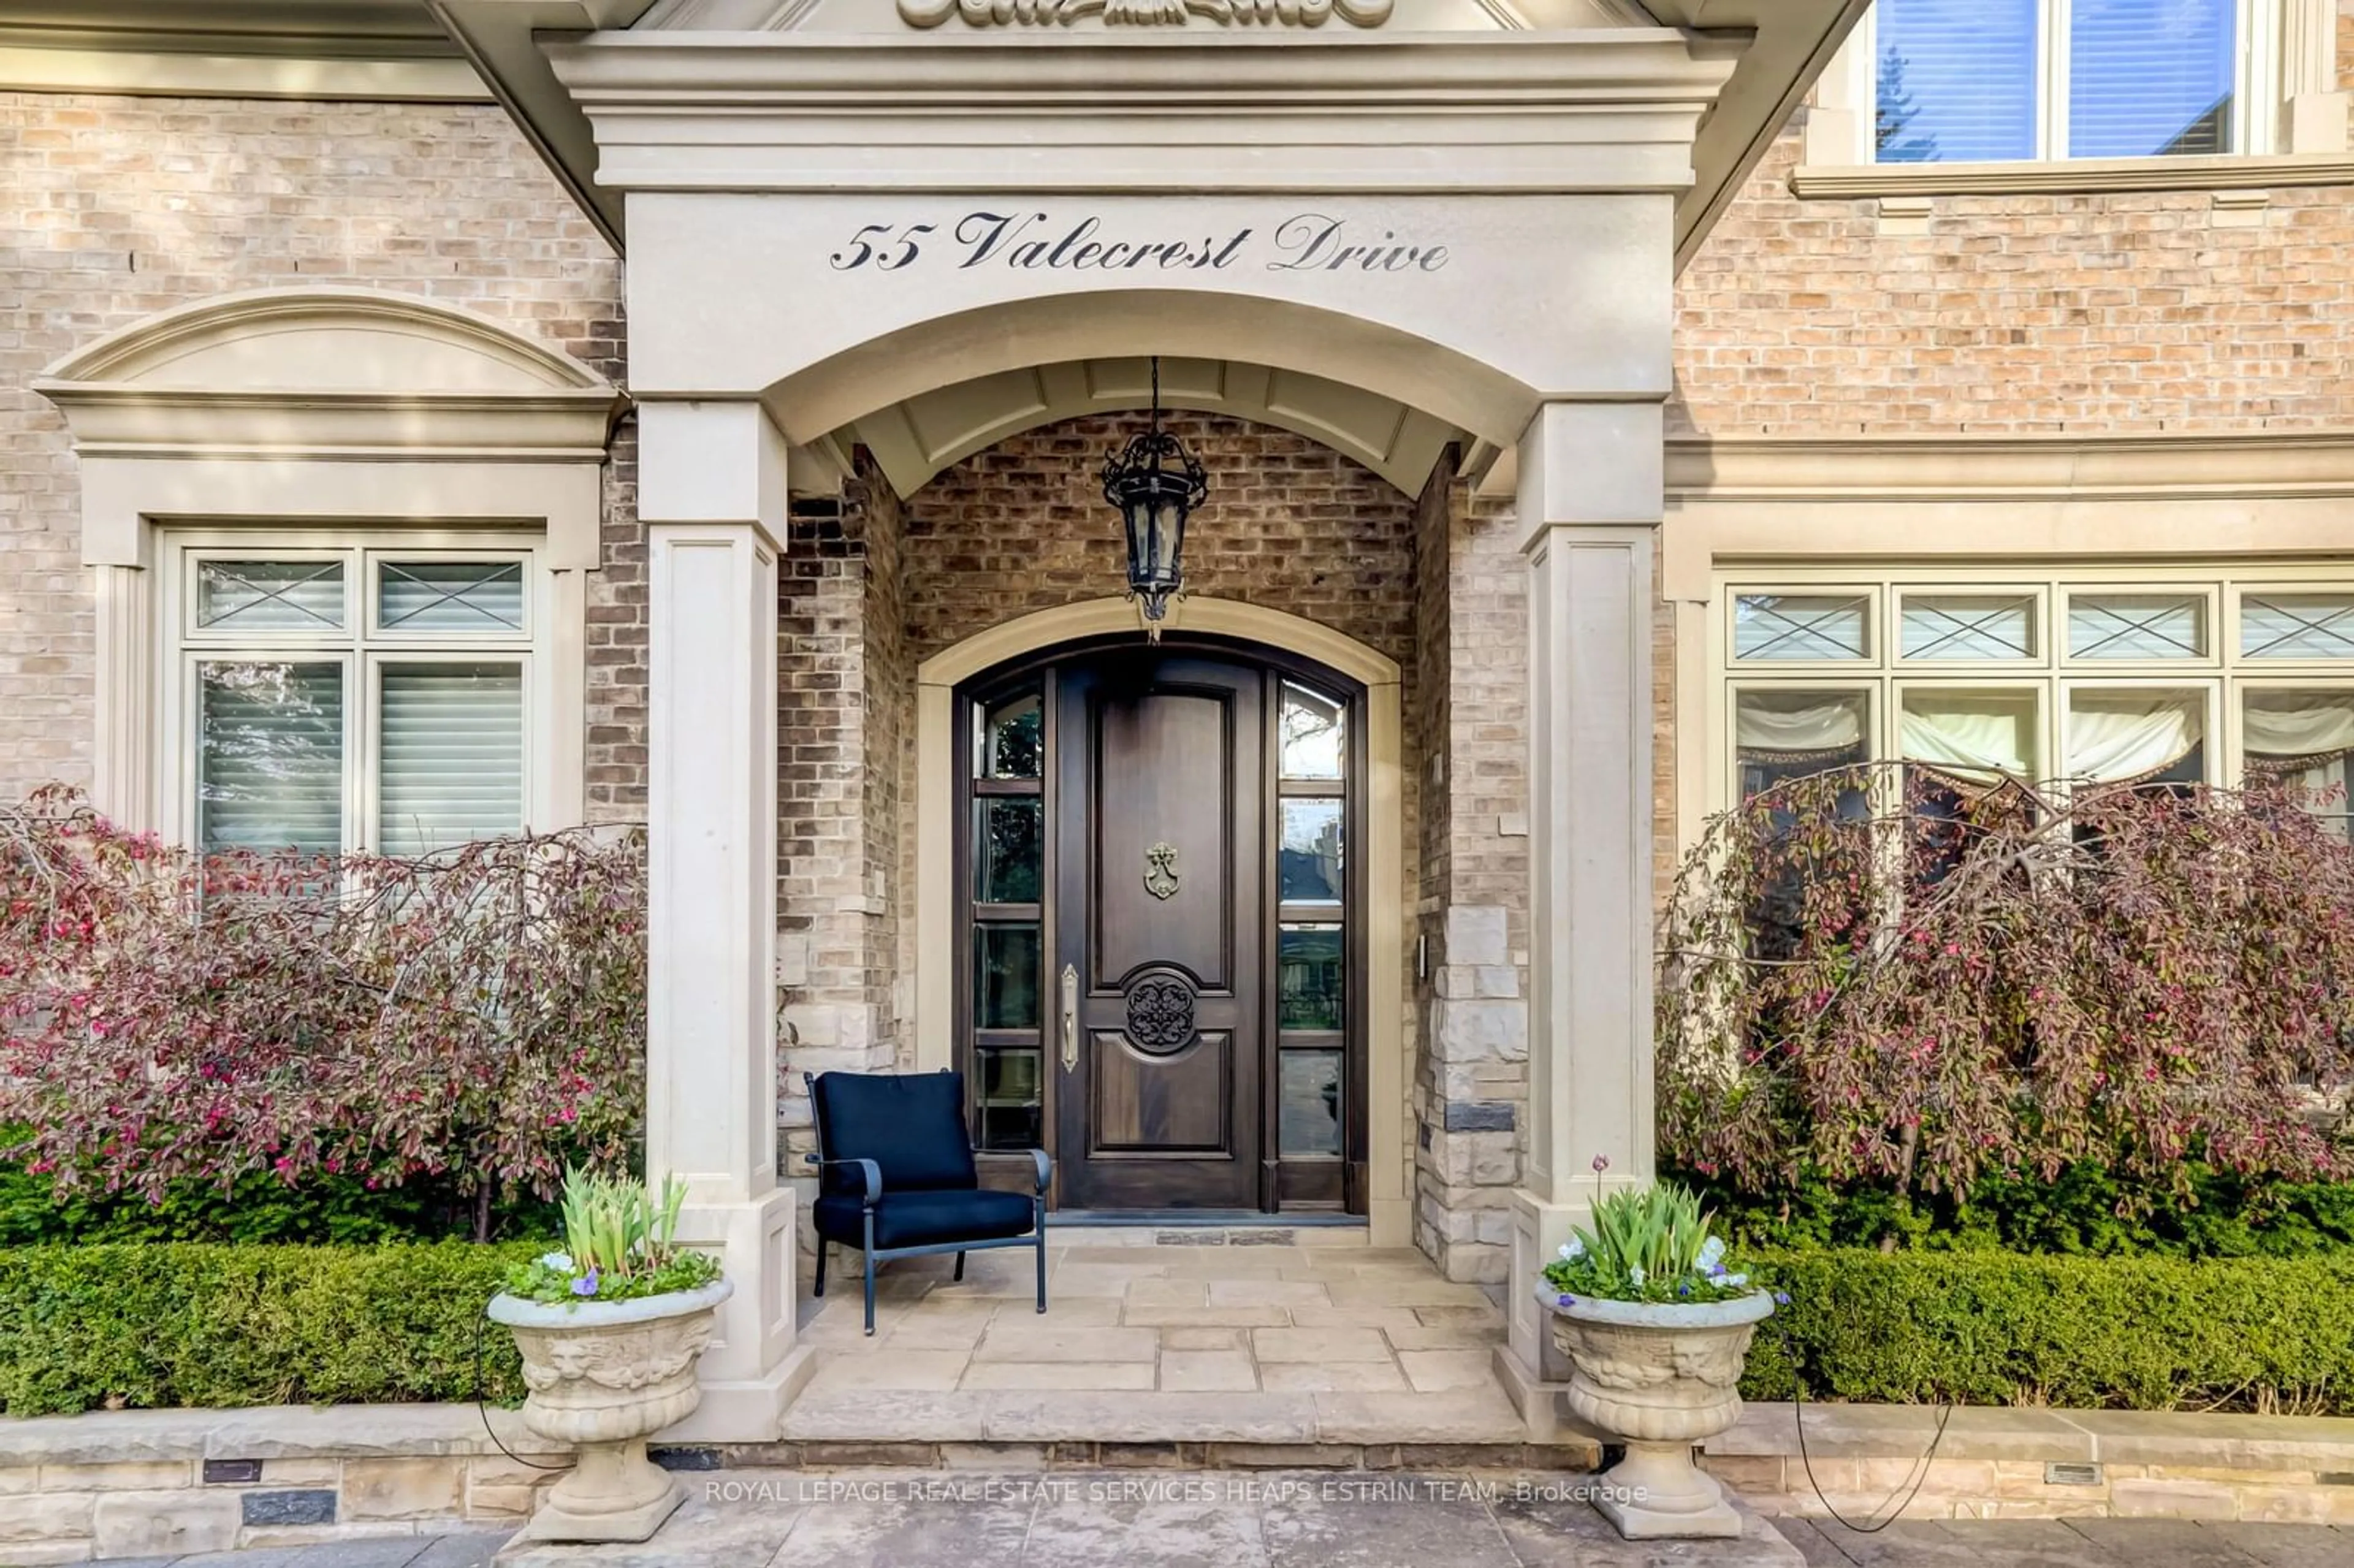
x=350, y=698
x=1968, y=80
x=2085, y=681
x=1310, y=946
x=1009, y=869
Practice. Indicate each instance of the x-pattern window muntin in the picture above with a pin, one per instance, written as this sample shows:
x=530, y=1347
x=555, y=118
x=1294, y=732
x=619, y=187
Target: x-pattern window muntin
x=2337, y=626
x=1809, y=633
x=411, y=760
x=225, y=572
x=2108, y=630
x=460, y=598
x=2115, y=624
x=1953, y=627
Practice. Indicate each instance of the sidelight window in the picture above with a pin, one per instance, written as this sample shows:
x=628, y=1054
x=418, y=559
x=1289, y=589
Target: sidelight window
x=1008, y=870
x=1311, y=934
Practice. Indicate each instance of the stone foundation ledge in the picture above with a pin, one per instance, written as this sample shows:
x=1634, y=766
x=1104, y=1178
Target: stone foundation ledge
x=2040, y=1464
x=159, y=1483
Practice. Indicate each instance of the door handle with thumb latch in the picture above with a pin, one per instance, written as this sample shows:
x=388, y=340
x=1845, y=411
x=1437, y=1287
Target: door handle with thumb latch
x=1070, y=1017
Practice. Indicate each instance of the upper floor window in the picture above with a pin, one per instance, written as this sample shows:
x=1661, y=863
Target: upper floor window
x=1986, y=80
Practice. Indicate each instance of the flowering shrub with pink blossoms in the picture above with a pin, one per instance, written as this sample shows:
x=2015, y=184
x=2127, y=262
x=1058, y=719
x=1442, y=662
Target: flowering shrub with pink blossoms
x=477, y=1016
x=1879, y=975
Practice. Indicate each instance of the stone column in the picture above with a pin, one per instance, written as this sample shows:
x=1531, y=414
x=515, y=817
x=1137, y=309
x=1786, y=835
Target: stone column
x=711, y=494
x=1591, y=496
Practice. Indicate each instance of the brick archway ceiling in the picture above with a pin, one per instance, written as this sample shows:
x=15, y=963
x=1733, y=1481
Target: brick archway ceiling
x=916, y=439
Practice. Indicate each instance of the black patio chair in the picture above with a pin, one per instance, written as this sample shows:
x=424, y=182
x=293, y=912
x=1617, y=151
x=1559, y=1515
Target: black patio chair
x=897, y=1177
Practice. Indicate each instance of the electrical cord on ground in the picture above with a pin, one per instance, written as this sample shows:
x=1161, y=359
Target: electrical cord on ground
x=482, y=1405
x=1896, y=1505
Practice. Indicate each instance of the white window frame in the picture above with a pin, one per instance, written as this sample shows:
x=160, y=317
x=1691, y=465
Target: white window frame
x=361, y=646
x=2221, y=675
x=2255, y=79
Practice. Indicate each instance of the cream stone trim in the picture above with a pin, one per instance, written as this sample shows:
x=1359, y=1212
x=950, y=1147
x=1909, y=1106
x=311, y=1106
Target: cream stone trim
x=2079, y=176
x=1389, y=1167
x=330, y=411
x=918, y=438
x=166, y=73
x=2144, y=508
x=1145, y=12
x=1600, y=109
x=1770, y=50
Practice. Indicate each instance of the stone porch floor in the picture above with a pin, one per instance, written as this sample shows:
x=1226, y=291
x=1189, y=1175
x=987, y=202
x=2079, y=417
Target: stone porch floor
x=1317, y=1342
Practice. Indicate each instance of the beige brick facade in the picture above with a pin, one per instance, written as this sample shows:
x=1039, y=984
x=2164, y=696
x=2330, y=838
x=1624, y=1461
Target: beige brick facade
x=121, y=207
x=2052, y=314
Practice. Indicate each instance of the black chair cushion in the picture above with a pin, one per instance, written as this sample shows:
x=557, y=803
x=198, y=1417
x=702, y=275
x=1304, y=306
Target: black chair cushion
x=920, y=1219
x=910, y=1124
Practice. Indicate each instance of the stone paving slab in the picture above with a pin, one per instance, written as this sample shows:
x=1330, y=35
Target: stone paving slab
x=2070, y=1543
x=1156, y=1519
x=1264, y=1343
x=466, y=1549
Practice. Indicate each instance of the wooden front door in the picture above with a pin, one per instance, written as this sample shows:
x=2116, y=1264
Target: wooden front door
x=1159, y=958
x=1158, y=954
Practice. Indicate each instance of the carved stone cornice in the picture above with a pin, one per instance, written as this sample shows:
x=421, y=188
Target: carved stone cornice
x=1335, y=110
x=1145, y=12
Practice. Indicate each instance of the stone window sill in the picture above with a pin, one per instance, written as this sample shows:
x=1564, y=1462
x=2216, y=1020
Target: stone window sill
x=2070, y=176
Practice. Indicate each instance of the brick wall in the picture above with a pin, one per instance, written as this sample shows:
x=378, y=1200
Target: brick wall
x=2090, y=313
x=1470, y=1087
x=120, y=208
x=1290, y=524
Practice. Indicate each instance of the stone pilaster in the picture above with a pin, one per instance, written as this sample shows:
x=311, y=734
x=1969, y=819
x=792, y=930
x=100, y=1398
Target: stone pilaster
x=712, y=489
x=1591, y=495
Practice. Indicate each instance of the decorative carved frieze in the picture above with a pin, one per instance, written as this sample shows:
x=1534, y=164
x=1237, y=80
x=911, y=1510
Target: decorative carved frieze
x=1145, y=12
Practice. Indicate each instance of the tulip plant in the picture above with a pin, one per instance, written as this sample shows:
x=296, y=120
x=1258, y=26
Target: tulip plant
x=619, y=1243
x=1650, y=1244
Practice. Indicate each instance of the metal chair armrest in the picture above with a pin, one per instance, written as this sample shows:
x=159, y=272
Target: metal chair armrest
x=867, y=1168
x=1045, y=1164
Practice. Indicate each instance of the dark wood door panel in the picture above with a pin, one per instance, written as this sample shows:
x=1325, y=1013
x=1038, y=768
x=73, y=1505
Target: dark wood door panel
x=1160, y=896
x=1163, y=810
x=1161, y=1106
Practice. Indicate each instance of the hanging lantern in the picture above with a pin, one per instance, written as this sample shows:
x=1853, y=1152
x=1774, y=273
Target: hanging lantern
x=1156, y=483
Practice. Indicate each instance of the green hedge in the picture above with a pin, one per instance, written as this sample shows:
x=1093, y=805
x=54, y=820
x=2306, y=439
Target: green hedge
x=1987, y=1327
x=201, y=1324
x=194, y=1323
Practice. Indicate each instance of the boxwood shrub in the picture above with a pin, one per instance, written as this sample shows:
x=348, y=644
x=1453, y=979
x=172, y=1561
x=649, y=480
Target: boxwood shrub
x=196, y=1323
x=205, y=1324
x=1993, y=1327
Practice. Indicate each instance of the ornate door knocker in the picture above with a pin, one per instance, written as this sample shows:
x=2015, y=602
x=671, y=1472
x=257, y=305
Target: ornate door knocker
x=1161, y=870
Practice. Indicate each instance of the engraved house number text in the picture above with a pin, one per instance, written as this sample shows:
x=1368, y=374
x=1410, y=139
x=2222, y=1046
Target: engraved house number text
x=1035, y=241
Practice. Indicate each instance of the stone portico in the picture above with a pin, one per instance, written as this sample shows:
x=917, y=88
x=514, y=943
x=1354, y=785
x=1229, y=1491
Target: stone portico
x=889, y=296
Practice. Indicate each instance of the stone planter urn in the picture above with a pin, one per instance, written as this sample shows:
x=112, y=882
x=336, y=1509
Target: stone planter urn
x=1658, y=1378
x=605, y=1376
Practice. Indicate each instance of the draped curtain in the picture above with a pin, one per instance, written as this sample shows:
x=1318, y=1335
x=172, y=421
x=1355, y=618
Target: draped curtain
x=2120, y=736
x=2303, y=739
x=1982, y=740
x=1813, y=729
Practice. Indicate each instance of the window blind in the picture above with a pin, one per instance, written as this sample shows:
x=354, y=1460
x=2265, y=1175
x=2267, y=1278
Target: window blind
x=270, y=596
x=271, y=756
x=1955, y=81
x=2150, y=77
x=449, y=754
